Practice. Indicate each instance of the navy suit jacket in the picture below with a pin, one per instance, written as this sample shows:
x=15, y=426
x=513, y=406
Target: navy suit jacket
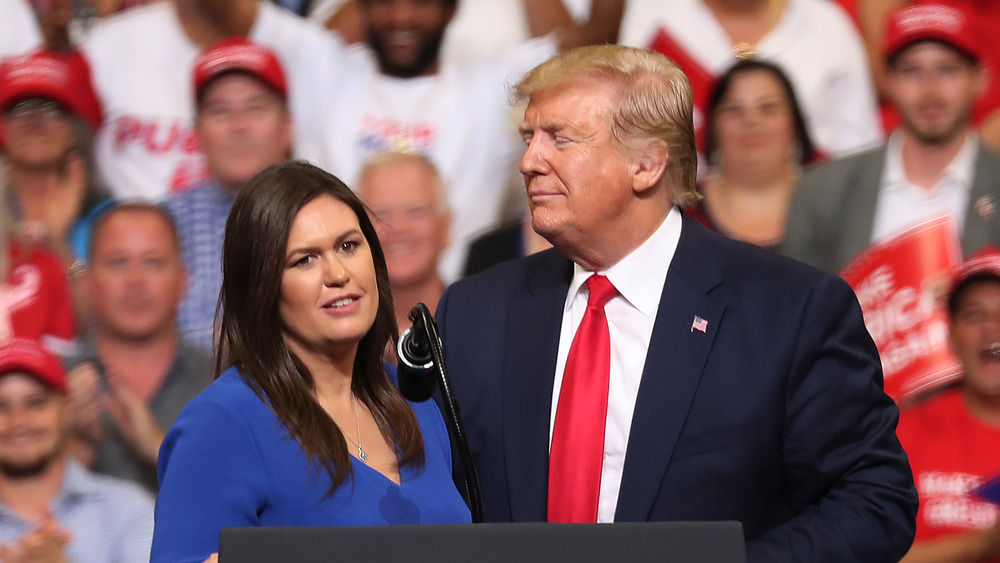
x=774, y=416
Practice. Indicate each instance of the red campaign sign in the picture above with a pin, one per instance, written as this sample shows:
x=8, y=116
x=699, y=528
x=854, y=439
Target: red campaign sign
x=898, y=283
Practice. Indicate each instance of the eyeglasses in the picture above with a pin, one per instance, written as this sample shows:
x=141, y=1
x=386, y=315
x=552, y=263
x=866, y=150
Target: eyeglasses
x=45, y=109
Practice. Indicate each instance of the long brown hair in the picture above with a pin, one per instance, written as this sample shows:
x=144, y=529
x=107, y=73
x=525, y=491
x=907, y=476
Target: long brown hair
x=253, y=260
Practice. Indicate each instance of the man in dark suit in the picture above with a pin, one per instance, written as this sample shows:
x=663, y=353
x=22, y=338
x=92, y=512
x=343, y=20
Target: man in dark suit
x=933, y=163
x=730, y=383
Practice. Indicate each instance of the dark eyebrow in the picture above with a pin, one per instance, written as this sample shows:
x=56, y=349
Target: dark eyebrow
x=318, y=250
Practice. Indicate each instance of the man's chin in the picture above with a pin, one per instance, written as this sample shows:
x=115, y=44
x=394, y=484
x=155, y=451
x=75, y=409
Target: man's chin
x=25, y=469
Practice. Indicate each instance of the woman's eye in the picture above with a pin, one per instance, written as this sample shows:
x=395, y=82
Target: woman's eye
x=349, y=245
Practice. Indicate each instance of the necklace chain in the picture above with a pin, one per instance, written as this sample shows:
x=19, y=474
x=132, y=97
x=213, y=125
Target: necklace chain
x=357, y=423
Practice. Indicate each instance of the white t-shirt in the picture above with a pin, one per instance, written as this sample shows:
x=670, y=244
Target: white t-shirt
x=142, y=64
x=481, y=29
x=816, y=45
x=460, y=118
x=18, y=28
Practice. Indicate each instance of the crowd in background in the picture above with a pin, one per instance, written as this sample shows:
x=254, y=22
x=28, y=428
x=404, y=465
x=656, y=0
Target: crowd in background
x=128, y=127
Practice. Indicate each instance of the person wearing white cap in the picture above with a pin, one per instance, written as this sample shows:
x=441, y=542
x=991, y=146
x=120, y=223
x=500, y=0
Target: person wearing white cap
x=51, y=508
x=933, y=163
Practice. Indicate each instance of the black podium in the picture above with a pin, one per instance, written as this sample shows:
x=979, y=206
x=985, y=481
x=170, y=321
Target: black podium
x=673, y=542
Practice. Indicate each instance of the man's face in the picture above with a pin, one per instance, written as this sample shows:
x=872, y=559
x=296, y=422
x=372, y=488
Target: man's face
x=406, y=35
x=934, y=88
x=136, y=278
x=31, y=425
x=411, y=225
x=243, y=128
x=975, y=337
x=578, y=182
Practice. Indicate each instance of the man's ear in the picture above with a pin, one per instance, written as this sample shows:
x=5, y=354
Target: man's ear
x=649, y=164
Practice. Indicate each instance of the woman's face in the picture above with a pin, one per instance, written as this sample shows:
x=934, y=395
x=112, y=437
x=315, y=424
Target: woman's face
x=36, y=132
x=754, y=124
x=329, y=294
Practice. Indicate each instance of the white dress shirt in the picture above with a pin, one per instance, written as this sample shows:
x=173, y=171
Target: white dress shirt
x=901, y=204
x=639, y=279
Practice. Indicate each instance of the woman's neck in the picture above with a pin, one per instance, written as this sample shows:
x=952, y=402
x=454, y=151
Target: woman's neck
x=331, y=371
x=751, y=207
x=31, y=186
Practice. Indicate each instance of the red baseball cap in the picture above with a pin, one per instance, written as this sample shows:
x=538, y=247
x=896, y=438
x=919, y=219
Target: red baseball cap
x=61, y=77
x=29, y=357
x=238, y=54
x=931, y=22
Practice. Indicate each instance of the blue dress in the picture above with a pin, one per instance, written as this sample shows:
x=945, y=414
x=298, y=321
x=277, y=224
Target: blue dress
x=228, y=461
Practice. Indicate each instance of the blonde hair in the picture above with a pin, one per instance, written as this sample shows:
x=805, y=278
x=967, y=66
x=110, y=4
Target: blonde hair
x=390, y=158
x=654, y=100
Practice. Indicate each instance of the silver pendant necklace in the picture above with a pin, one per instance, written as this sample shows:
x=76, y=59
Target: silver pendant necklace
x=357, y=423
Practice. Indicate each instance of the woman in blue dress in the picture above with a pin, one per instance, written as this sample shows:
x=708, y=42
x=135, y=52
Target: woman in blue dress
x=305, y=427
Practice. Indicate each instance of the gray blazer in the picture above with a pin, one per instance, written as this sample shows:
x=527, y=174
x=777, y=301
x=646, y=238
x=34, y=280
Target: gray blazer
x=833, y=211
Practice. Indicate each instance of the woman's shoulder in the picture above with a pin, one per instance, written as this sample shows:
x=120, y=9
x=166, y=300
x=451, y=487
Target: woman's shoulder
x=230, y=392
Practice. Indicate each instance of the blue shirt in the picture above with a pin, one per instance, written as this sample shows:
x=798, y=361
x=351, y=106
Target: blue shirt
x=110, y=520
x=228, y=461
x=201, y=214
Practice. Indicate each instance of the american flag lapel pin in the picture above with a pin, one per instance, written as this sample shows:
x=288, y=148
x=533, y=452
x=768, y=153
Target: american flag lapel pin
x=699, y=324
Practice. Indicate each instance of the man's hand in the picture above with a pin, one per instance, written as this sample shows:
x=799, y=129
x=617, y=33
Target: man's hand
x=134, y=420
x=45, y=543
x=85, y=409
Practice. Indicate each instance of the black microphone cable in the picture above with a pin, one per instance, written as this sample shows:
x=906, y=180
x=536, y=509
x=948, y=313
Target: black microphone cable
x=421, y=358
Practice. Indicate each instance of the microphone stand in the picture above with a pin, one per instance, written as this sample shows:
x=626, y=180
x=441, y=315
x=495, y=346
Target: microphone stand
x=422, y=351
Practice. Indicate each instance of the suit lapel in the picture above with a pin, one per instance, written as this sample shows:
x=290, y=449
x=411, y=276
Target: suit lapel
x=530, y=362
x=859, y=210
x=981, y=229
x=674, y=364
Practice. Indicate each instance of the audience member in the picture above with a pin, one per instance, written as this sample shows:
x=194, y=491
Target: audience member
x=142, y=61
x=35, y=302
x=986, y=111
x=243, y=127
x=813, y=41
x=409, y=206
x=396, y=95
x=51, y=508
x=933, y=162
x=507, y=242
x=136, y=373
x=20, y=28
x=757, y=143
x=483, y=30
x=49, y=115
x=950, y=438
x=303, y=425
x=707, y=379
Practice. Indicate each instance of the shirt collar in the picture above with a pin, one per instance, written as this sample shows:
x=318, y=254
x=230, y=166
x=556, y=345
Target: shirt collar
x=632, y=275
x=959, y=171
x=77, y=481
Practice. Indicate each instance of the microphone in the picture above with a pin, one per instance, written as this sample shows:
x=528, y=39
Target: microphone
x=420, y=370
x=416, y=370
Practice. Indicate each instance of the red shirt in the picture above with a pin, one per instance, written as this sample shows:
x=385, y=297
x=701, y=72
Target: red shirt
x=35, y=301
x=950, y=453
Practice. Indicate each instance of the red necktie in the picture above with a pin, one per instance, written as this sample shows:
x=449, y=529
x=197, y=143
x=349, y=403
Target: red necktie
x=577, y=451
